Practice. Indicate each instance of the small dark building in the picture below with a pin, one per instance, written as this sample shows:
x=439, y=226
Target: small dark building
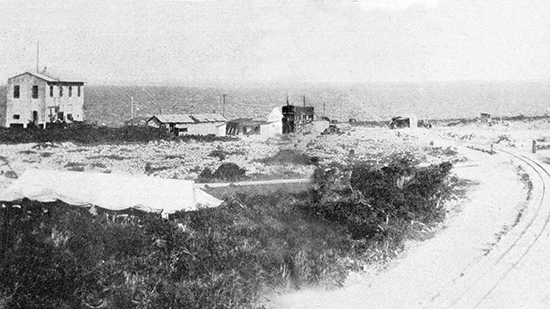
x=296, y=117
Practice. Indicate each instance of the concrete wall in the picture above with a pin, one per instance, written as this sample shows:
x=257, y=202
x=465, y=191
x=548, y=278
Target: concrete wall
x=25, y=105
x=47, y=105
x=203, y=128
x=68, y=104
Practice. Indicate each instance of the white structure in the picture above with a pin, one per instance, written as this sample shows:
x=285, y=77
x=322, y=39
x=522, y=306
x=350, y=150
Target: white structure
x=192, y=124
x=40, y=98
x=109, y=191
x=274, y=124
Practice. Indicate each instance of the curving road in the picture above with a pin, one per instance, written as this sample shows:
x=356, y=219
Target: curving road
x=494, y=254
x=494, y=280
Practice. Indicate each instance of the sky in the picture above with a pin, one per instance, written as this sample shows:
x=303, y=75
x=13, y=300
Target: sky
x=277, y=41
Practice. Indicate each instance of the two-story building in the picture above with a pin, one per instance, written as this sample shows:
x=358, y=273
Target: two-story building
x=40, y=98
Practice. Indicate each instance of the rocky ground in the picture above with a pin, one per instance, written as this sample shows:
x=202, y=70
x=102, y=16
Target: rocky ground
x=185, y=160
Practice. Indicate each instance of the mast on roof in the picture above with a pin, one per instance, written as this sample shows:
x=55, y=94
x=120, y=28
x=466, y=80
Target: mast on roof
x=37, y=56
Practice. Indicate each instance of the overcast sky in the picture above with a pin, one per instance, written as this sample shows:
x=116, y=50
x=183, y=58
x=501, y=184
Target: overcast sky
x=240, y=41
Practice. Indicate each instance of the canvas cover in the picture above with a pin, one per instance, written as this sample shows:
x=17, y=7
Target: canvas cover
x=109, y=191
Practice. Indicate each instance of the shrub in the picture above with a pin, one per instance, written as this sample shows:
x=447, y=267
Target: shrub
x=218, y=154
x=86, y=133
x=226, y=172
x=59, y=256
x=379, y=202
x=288, y=156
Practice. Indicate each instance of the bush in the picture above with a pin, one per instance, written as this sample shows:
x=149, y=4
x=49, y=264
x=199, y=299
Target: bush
x=377, y=203
x=226, y=172
x=90, y=134
x=287, y=156
x=60, y=256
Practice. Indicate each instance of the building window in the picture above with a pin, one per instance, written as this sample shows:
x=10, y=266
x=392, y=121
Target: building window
x=60, y=91
x=60, y=116
x=70, y=117
x=16, y=92
x=70, y=91
x=51, y=91
x=35, y=92
x=16, y=116
x=78, y=90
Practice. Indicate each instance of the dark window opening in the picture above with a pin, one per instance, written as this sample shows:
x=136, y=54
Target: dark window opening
x=51, y=91
x=60, y=91
x=16, y=92
x=35, y=92
x=70, y=117
x=70, y=91
x=16, y=116
x=60, y=116
x=34, y=116
x=78, y=90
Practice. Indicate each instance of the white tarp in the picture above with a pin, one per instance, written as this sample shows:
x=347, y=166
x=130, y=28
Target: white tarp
x=109, y=191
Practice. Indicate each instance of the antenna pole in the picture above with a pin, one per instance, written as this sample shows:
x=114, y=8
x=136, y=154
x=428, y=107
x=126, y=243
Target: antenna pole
x=37, y=56
x=223, y=104
x=132, y=106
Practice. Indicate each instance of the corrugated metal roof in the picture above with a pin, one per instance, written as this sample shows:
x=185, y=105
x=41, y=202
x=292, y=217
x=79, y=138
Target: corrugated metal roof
x=174, y=118
x=190, y=118
x=208, y=117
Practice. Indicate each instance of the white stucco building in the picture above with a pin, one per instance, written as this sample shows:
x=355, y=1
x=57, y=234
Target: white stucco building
x=41, y=98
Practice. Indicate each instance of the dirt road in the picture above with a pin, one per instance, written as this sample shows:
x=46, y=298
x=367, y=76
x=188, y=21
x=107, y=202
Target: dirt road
x=492, y=254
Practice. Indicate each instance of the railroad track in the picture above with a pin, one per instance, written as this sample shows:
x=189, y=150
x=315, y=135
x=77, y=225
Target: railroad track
x=478, y=279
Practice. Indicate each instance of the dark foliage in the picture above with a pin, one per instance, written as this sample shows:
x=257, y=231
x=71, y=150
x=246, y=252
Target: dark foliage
x=379, y=203
x=287, y=156
x=222, y=154
x=226, y=172
x=85, y=133
x=58, y=256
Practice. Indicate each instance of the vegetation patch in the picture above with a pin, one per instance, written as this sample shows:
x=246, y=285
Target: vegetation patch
x=98, y=165
x=171, y=157
x=85, y=133
x=288, y=156
x=75, y=166
x=64, y=257
x=226, y=172
x=222, y=154
x=27, y=152
x=110, y=157
x=150, y=169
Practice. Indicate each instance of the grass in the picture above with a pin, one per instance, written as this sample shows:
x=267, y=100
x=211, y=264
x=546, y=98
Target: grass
x=265, y=238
